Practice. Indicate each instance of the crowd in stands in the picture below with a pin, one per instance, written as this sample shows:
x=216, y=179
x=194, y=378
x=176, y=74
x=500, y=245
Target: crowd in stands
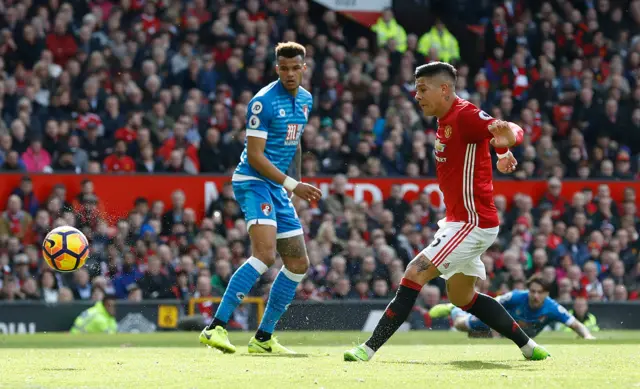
x=150, y=87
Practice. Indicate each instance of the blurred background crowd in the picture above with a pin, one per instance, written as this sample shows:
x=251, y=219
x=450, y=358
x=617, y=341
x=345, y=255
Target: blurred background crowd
x=161, y=87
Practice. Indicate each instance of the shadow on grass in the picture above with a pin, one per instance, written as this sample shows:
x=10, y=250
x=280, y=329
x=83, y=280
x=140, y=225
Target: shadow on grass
x=480, y=365
x=63, y=369
x=279, y=355
x=466, y=365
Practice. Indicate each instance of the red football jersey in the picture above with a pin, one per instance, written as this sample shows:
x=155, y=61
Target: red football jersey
x=464, y=166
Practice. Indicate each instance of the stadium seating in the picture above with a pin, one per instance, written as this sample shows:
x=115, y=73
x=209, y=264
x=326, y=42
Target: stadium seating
x=151, y=88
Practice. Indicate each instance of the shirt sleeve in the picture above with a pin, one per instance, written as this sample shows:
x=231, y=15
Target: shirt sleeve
x=474, y=124
x=560, y=314
x=259, y=118
x=507, y=300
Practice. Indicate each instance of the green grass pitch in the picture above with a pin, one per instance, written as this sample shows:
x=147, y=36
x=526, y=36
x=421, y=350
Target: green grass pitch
x=426, y=359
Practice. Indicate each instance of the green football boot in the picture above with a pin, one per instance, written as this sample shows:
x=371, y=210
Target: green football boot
x=217, y=338
x=356, y=354
x=271, y=346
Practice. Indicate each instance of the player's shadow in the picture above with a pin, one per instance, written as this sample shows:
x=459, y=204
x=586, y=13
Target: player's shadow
x=280, y=355
x=463, y=365
x=62, y=369
x=480, y=365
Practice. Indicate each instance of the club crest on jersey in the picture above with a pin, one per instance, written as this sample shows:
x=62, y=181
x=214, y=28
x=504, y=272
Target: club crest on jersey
x=305, y=110
x=256, y=108
x=447, y=132
x=282, y=113
x=266, y=208
x=438, y=147
x=293, y=132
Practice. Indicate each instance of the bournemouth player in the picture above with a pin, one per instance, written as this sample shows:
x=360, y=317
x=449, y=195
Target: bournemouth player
x=532, y=309
x=276, y=118
x=464, y=171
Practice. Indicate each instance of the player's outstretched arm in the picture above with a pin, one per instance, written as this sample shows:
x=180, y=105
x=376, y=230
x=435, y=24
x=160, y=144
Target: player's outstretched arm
x=581, y=330
x=258, y=161
x=505, y=135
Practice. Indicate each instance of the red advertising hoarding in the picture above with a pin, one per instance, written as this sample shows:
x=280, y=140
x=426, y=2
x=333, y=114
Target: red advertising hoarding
x=118, y=192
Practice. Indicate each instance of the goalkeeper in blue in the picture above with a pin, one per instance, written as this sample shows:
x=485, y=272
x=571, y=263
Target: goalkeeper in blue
x=532, y=309
x=276, y=118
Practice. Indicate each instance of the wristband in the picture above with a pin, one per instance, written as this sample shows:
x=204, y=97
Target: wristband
x=290, y=184
x=505, y=155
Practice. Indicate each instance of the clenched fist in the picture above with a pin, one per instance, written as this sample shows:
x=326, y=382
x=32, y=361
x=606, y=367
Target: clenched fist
x=507, y=164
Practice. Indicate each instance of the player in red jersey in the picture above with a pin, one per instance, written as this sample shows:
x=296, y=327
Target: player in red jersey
x=462, y=152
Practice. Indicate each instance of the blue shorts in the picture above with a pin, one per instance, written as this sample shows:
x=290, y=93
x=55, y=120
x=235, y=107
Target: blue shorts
x=263, y=203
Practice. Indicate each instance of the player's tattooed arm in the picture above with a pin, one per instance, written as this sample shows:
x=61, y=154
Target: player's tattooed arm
x=295, y=169
x=297, y=159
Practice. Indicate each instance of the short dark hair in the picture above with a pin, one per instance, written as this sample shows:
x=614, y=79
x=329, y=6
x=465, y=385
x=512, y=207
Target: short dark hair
x=140, y=200
x=538, y=279
x=290, y=50
x=435, y=69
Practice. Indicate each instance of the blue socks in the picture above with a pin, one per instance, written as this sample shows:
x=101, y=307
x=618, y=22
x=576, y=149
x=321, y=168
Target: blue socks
x=239, y=286
x=455, y=312
x=283, y=291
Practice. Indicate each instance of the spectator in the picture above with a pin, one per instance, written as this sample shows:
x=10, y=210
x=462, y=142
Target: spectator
x=14, y=221
x=61, y=42
x=388, y=28
x=25, y=193
x=82, y=287
x=35, y=158
x=119, y=162
x=100, y=318
x=49, y=287
x=440, y=39
x=154, y=284
x=127, y=276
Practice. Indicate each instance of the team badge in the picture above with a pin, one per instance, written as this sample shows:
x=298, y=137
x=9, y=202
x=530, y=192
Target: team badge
x=447, y=132
x=305, y=109
x=266, y=208
x=282, y=113
x=256, y=108
x=484, y=116
x=446, y=265
x=254, y=122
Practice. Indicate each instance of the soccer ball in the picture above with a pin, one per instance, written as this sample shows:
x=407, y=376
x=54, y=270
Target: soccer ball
x=65, y=249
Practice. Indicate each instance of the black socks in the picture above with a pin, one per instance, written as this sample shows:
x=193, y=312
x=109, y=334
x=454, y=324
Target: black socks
x=493, y=314
x=396, y=313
